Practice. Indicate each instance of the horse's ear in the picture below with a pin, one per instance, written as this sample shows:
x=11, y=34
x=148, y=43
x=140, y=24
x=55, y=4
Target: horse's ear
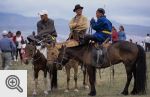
x=64, y=46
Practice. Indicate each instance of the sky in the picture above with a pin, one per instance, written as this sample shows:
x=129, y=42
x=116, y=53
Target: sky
x=123, y=11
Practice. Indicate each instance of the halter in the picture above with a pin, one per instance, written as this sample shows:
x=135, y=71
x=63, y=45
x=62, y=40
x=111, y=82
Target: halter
x=63, y=58
x=36, y=58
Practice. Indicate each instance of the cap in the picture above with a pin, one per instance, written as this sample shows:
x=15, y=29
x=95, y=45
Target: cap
x=43, y=12
x=4, y=32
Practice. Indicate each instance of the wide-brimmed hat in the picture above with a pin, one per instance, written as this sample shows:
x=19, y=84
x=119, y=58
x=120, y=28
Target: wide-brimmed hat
x=77, y=7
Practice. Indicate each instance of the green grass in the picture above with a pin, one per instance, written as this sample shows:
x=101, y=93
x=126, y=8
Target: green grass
x=106, y=86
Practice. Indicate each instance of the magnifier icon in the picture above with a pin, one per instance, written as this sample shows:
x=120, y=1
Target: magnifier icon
x=13, y=82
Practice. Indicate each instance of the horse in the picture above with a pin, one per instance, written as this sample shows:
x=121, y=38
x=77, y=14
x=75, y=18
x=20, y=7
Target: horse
x=53, y=52
x=39, y=62
x=131, y=55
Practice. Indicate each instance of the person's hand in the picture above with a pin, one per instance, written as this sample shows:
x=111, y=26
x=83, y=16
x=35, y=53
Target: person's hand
x=92, y=20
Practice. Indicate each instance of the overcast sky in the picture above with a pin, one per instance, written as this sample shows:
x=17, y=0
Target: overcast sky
x=122, y=11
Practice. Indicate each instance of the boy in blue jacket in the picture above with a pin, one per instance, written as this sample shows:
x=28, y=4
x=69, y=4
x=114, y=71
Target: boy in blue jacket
x=102, y=27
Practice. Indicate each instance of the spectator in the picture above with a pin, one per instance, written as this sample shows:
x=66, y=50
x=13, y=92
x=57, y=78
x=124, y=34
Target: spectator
x=121, y=33
x=147, y=42
x=114, y=35
x=130, y=40
x=6, y=46
x=18, y=40
x=10, y=36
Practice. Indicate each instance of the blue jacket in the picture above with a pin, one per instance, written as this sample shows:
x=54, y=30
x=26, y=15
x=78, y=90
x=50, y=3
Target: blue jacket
x=121, y=36
x=102, y=24
x=7, y=45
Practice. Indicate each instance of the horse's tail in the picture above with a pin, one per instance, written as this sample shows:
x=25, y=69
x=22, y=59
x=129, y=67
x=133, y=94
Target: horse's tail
x=141, y=68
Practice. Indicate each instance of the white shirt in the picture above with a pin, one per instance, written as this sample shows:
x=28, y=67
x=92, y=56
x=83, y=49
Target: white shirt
x=147, y=39
x=18, y=39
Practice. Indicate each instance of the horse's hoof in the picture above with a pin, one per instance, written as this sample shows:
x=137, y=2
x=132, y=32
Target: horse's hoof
x=92, y=93
x=46, y=92
x=125, y=93
x=49, y=90
x=66, y=91
x=54, y=88
x=76, y=90
x=133, y=93
x=34, y=94
x=86, y=87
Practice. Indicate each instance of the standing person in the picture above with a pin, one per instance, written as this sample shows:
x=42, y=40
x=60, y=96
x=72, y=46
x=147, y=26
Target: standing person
x=147, y=42
x=31, y=37
x=78, y=24
x=102, y=26
x=114, y=35
x=18, y=40
x=6, y=46
x=121, y=33
x=10, y=36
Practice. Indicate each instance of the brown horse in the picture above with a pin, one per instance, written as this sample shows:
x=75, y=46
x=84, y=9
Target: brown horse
x=39, y=62
x=53, y=52
x=132, y=55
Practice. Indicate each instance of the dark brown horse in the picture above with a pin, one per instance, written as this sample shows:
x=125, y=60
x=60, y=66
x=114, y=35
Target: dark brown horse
x=39, y=62
x=132, y=55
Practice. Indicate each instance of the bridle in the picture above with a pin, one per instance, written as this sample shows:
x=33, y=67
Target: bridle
x=63, y=58
x=34, y=52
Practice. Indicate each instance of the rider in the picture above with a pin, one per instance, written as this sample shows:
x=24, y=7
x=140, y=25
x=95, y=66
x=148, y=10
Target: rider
x=78, y=24
x=102, y=27
x=45, y=28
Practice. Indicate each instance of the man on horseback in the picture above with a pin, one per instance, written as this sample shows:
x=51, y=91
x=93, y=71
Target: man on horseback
x=102, y=27
x=45, y=29
x=78, y=24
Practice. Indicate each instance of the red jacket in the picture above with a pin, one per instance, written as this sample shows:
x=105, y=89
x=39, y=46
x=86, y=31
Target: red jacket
x=114, y=36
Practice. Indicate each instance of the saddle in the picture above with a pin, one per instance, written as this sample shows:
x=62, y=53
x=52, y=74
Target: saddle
x=99, y=53
x=68, y=43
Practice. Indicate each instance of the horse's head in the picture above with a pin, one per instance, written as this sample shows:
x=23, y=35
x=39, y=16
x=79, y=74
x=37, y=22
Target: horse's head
x=52, y=54
x=62, y=57
x=29, y=51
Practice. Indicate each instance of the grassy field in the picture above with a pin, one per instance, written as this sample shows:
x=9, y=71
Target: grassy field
x=106, y=86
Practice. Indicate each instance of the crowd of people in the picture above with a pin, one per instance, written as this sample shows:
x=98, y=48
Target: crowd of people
x=11, y=45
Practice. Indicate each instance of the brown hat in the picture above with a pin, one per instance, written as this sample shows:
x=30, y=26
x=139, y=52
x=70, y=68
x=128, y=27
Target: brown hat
x=77, y=7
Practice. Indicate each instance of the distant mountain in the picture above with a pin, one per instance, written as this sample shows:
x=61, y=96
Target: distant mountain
x=14, y=22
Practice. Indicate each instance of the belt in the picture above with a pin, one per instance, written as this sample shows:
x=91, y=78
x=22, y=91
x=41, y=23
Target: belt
x=106, y=32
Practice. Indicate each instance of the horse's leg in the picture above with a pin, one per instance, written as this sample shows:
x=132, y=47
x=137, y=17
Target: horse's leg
x=92, y=78
x=85, y=80
x=68, y=77
x=134, y=91
x=76, y=76
x=35, y=81
x=54, y=78
x=45, y=82
x=129, y=77
x=50, y=81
